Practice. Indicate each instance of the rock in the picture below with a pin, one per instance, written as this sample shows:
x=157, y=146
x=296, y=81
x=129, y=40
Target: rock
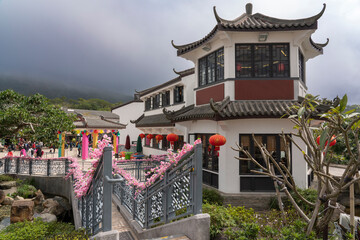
x=17, y=198
x=2, y=196
x=48, y=217
x=63, y=202
x=4, y=223
x=8, y=200
x=52, y=206
x=39, y=198
x=21, y=211
x=7, y=185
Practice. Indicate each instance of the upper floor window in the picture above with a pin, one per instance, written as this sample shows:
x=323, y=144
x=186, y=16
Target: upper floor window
x=211, y=67
x=166, y=99
x=156, y=103
x=262, y=60
x=148, y=104
x=301, y=67
x=178, y=94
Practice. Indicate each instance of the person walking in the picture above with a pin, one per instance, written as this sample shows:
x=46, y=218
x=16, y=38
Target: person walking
x=79, y=149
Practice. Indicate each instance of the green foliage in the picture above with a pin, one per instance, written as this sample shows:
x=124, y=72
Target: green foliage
x=212, y=197
x=89, y=104
x=33, y=118
x=25, y=191
x=241, y=223
x=5, y=178
x=309, y=194
x=41, y=230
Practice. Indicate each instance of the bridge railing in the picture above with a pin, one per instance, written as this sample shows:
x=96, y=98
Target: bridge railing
x=177, y=195
x=138, y=168
x=34, y=166
x=95, y=205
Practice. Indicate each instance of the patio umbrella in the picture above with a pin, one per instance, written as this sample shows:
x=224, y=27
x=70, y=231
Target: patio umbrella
x=138, y=145
x=127, y=142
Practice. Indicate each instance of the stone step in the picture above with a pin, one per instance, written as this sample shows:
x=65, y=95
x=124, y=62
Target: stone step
x=7, y=185
x=173, y=237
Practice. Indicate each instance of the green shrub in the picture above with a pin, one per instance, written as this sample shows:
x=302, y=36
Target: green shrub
x=41, y=230
x=25, y=191
x=212, y=197
x=296, y=231
x=309, y=194
x=5, y=178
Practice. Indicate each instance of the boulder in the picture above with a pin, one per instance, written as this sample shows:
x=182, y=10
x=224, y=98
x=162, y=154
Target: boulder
x=48, y=217
x=2, y=196
x=39, y=198
x=8, y=200
x=7, y=185
x=17, y=198
x=21, y=211
x=52, y=206
x=63, y=202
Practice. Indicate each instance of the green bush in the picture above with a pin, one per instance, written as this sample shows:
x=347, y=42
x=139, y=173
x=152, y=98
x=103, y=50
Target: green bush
x=5, y=178
x=212, y=197
x=25, y=191
x=309, y=194
x=41, y=230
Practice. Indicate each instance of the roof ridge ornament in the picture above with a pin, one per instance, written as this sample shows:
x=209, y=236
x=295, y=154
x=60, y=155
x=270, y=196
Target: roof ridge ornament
x=249, y=8
x=218, y=19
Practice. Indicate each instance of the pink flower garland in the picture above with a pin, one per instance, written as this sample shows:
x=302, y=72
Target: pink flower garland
x=83, y=181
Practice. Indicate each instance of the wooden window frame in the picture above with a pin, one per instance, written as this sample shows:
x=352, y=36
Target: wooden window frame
x=218, y=72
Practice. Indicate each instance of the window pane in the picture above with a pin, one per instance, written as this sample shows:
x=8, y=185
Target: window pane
x=280, y=64
x=261, y=61
x=301, y=67
x=220, y=65
x=245, y=166
x=243, y=61
x=202, y=71
x=211, y=68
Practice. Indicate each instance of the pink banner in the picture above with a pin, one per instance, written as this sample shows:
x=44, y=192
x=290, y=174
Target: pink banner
x=85, y=147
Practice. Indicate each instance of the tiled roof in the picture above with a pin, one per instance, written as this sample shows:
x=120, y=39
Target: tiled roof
x=158, y=120
x=252, y=22
x=96, y=119
x=258, y=108
x=191, y=113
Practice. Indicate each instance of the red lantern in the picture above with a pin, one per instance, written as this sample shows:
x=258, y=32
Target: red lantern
x=281, y=67
x=96, y=131
x=172, y=137
x=332, y=143
x=112, y=130
x=217, y=141
x=59, y=132
x=142, y=135
x=238, y=67
x=150, y=136
x=158, y=138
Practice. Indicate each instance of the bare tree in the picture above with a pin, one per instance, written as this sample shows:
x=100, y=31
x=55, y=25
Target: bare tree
x=336, y=122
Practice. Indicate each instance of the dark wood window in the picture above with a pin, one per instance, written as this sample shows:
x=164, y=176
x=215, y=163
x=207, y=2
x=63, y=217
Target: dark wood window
x=178, y=94
x=211, y=67
x=148, y=104
x=250, y=181
x=165, y=143
x=262, y=60
x=301, y=67
x=166, y=99
x=210, y=161
x=156, y=103
x=155, y=142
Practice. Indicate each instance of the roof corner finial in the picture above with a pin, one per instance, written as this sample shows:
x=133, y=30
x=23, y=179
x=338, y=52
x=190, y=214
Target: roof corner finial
x=172, y=43
x=218, y=19
x=249, y=8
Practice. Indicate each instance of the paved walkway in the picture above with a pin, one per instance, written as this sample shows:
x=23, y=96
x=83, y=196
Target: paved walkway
x=119, y=223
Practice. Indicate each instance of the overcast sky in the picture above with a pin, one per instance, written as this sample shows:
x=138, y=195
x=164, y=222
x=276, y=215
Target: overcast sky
x=125, y=45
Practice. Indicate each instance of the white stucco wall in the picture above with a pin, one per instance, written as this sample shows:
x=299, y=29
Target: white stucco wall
x=131, y=111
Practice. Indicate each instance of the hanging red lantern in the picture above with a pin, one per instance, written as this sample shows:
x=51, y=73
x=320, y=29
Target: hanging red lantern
x=158, y=138
x=113, y=131
x=238, y=67
x=217, y=141
x=142, y=135
x=96, y=131
x=281, y=67
x=332, y=143
x=59, y=132
x=172, y=137
x=150, y=136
